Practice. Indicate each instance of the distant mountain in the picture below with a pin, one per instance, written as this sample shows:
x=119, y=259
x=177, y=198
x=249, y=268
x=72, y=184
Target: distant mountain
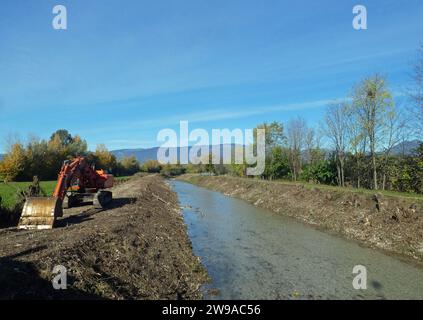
x=1, y=156
x=142, y=155
x=406, y=148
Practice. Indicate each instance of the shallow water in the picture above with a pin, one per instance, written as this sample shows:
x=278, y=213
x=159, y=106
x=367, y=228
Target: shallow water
x=251, y=253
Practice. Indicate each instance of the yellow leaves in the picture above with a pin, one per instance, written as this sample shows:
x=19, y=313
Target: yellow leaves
x=152, y=166
x=105, y=159
x=40, y=157
x=13, y=163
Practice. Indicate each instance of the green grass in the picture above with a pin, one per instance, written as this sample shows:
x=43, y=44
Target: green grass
x=8, y=191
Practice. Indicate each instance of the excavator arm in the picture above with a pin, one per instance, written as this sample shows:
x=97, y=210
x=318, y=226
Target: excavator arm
x=77, y=170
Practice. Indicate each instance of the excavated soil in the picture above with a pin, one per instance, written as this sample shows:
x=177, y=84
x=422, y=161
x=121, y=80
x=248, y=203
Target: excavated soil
x=392, y=224
x=136, y=249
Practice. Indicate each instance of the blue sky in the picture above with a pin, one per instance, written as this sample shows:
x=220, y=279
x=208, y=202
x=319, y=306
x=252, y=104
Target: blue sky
x=126, y=69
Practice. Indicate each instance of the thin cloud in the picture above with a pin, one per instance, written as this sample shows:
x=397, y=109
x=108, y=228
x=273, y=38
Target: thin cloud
x=223, y=114
x=208, y=116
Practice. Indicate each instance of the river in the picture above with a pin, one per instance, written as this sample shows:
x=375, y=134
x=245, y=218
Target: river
x=251, y=253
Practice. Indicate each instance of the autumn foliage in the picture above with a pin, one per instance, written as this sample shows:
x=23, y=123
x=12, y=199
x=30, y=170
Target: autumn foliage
x=44, y=158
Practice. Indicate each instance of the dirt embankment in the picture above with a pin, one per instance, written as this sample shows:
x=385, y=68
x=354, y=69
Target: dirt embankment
x=137, y=249
x=388, y=223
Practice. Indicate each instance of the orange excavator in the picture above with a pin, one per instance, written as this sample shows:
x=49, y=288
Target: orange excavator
x=78, y=182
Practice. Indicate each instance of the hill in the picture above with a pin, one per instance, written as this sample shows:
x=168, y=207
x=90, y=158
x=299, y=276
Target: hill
x=406, y=147
x=143, y=155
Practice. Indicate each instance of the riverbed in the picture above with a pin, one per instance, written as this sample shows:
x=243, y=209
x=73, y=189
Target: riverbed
x=251, y=253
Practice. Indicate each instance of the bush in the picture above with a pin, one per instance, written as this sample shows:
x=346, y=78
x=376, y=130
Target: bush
x=173, y=170
x=128, y=166
x=322, y=172
x=151, y=166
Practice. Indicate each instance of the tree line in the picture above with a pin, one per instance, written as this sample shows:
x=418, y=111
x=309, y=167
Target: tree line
x=360, y=133
x=44, y=158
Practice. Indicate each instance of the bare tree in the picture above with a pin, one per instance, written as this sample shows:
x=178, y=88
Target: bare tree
x=296, y=132
x=357, y=141
x=373, y=103
x=417, y=94
x=10, y=140
x=310, y=144
x=336, y=129
x=392, y=134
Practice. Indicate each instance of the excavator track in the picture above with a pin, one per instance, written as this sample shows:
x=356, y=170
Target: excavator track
x=102, y=199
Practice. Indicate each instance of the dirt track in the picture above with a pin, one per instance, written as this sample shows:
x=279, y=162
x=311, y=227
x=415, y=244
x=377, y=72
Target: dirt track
x=137, y=249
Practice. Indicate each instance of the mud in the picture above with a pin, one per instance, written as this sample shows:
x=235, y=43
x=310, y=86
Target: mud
x=136, y=249
x=393, y=225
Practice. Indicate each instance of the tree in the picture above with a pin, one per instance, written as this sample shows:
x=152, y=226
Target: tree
x=12, y=167
x=63, y=136
x=309, y=144
x=172, y=170
x=62, y=146
x=38, y=156
x=336, y=129
x=274, y=138
x=152, y=166
x=77, y=147
x=296, y=130
x=373, y=103
x=320, y=172
x=128, y=166
x=209, y=165
x=237, y=170
x=417, y=94
x=104, y=159
x=279, y=165
x=274, y=134
x=314, y=154
x=393, y=133
x=357, y=143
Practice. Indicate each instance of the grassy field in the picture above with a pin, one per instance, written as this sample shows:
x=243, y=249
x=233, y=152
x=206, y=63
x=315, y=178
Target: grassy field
x=9, y=191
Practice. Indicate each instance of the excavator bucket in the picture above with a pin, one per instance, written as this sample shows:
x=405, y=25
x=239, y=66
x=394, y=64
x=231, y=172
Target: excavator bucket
x=40, y=213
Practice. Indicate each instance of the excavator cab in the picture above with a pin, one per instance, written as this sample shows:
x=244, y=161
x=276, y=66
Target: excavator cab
x=77, y=181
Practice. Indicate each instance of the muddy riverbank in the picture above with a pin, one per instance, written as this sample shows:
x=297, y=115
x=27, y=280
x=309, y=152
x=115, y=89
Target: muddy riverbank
x=391, y=224
x=137, y=249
